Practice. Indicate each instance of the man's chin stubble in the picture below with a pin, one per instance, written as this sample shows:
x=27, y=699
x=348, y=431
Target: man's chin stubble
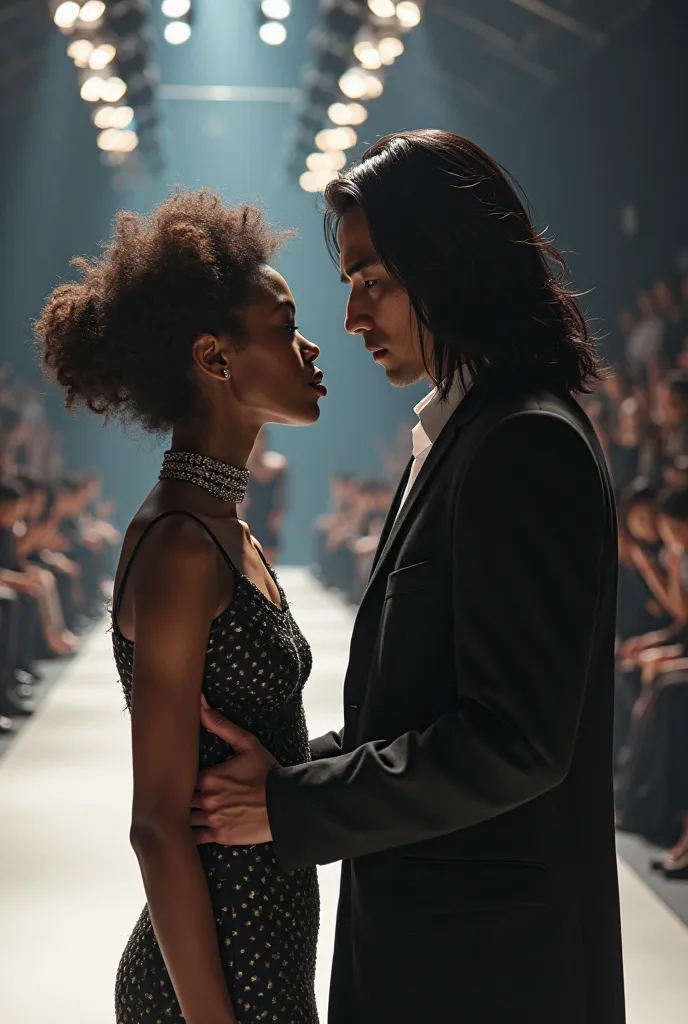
x=405, y=379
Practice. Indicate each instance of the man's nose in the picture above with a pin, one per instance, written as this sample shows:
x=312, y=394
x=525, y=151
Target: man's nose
x=356, y=320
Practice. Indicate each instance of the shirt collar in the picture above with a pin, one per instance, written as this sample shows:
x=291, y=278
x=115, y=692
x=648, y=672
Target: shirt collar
x=434, y=414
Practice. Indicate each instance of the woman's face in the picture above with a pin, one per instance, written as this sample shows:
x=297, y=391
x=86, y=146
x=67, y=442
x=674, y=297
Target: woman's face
x=273, y=376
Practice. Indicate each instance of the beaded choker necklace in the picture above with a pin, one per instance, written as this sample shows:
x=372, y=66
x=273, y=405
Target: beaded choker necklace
x=217, y=478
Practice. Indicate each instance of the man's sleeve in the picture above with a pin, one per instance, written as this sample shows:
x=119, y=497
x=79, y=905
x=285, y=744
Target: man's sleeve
x=529, y=529
x=329, y=745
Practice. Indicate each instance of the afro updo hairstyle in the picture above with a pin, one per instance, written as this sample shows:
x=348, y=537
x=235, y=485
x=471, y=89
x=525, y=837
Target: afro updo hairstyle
x=120, y=340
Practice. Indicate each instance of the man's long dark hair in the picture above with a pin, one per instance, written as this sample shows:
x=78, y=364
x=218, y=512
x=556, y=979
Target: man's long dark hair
x=450, y=226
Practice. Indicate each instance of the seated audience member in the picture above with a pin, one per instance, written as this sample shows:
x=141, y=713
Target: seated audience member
x=675, y=333
x=639, y=611
x=652, y=790
x=672, y=412
x=363, y=505
x=31, y=580
x=644, y=341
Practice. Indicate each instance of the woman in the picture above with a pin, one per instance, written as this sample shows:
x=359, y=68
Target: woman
x=183, y=326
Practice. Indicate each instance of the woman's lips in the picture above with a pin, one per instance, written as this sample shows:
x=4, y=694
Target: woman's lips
x=379, y=354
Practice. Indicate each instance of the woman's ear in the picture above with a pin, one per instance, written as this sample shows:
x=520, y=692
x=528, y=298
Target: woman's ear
x=211, y=356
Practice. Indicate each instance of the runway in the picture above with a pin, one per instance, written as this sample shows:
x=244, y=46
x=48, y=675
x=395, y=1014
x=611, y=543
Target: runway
x=69, y=884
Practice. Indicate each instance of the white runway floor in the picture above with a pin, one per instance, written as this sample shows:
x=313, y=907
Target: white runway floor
x=69, y=884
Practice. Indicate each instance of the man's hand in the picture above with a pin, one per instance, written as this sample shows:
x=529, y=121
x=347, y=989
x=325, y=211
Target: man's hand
x=228, y=806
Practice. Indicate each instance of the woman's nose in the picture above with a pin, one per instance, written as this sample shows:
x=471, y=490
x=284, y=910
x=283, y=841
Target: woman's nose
x=310, y=350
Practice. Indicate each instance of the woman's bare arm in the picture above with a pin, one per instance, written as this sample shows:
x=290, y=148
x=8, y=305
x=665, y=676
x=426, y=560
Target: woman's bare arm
x=175, y=594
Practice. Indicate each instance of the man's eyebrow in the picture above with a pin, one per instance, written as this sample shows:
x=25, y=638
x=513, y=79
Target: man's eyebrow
x=356, y=268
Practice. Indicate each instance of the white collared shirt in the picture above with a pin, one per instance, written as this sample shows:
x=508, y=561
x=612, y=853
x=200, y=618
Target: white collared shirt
x=433, y=416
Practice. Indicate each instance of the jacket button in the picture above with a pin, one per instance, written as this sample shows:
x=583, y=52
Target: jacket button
x=354, y=707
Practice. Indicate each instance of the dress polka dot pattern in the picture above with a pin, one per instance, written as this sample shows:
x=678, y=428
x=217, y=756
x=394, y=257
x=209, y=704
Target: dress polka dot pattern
x=257, y=664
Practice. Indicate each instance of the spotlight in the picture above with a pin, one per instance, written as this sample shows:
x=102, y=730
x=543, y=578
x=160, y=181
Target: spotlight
x=113, y=117
x=115, y=62
x=374, y=86
x=368, y=55
x=333, y=160
x=389, y=48
x=347, y=113
x=336, y=139
x=92, y=89
x=358, y=84
x=80, y=50
x=113, y=89
x=408, y=13
x=92, y=11
x=276, y=10
x=117, y=140
x=273, y=33
x=176, y=8
x=382, y=8
x=316, y=181
x=353, y=83
x=66, y=14
x=101, y=56
x=177, y=32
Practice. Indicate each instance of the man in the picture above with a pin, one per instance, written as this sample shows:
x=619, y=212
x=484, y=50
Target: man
x=469, y=794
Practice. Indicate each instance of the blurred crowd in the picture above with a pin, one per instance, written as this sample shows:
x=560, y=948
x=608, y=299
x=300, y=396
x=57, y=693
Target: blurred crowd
x=347, y=535
x=641, y=416
x=640, y=413
x=57, y=546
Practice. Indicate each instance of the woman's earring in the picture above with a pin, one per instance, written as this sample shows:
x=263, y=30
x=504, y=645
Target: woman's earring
x=225, y=373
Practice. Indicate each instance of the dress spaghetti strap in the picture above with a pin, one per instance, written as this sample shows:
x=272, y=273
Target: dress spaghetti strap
x=139, y=542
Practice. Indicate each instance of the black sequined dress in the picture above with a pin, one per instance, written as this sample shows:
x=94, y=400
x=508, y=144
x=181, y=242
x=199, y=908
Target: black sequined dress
x=256, y=666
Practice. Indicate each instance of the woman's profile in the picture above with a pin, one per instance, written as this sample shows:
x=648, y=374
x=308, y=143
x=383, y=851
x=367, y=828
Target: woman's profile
x=182, y=326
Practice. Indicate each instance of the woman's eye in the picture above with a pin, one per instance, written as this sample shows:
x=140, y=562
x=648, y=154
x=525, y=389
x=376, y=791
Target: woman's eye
x=368, y=284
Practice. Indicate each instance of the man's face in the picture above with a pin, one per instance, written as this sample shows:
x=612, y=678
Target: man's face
x=378, y=309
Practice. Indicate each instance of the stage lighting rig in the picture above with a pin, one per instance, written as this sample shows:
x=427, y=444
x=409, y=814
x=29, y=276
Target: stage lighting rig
x=179, y=14
x=111, y=44
x=353, y=45
x=272, y=15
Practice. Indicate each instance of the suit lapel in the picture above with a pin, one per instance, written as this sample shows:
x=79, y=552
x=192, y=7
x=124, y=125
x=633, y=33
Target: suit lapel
x=391, y=515
x=395, y=524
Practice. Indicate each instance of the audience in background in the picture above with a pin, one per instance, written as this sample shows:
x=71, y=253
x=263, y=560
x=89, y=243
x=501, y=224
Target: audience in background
x=347, y=536
x=56, y=549
x=266, y=496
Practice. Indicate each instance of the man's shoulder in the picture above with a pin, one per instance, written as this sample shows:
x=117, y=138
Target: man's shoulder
x=504, y=402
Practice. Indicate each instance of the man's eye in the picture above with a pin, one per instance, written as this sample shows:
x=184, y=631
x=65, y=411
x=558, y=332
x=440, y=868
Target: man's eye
x=292, y=328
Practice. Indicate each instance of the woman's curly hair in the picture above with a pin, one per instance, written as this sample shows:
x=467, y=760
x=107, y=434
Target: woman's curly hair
x=119, y=341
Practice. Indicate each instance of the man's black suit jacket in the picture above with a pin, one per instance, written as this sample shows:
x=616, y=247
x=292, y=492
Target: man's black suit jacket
x=470, y=791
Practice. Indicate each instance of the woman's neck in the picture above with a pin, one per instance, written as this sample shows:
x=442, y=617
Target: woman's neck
x=234, y=449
